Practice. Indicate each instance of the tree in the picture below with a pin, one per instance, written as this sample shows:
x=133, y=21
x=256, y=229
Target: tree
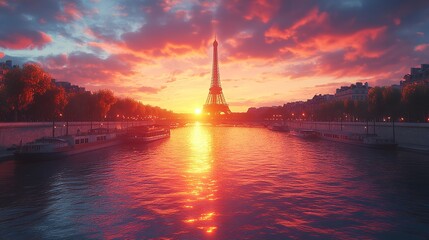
x=416, y=101
x=349, y=109
x=124, y=107
x=79, y=107
x=392, y=101
x=361, y=110
x=375, y=102
x=21, y=85
x=103, y=100
x=49, y=105
x=4, y=110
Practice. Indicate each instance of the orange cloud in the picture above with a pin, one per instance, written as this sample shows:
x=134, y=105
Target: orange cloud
x=327, y=41
x=275, y=33
x=150, y=90
x=354, y=44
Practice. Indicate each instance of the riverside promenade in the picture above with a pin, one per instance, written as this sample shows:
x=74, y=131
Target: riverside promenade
x=408, y=136
x=14, y=133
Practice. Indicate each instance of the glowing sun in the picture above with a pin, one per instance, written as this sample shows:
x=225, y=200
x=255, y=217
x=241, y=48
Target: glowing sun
x=197, y=111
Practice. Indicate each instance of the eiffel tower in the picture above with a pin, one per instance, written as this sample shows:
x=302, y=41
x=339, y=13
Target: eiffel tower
x=215, y=103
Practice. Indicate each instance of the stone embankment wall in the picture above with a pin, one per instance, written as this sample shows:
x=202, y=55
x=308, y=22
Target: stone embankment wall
x=13, y=133
x=407, y=135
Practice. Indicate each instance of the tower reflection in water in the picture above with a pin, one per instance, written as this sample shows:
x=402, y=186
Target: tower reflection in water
x=199, y=177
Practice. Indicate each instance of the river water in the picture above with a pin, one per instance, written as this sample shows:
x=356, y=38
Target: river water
x=219, y=183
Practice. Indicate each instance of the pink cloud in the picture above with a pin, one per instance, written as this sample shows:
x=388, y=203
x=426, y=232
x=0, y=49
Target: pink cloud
x=397, y=21
x=58, y=61
x=262, y=9
x=356, y=44
x=2, y=54
x=308, y=43
x=167, y=5
x=313, y=17
x=421, y=47
x=150, y=90
x=80, y=68
x=178, y=33
x=156, y=39
x=24, y=40
x=69, y=13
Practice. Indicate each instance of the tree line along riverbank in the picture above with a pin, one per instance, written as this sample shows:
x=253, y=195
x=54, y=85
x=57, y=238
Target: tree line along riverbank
x=29, y=94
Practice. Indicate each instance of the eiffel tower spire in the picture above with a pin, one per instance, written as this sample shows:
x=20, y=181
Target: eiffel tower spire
x=215, y=103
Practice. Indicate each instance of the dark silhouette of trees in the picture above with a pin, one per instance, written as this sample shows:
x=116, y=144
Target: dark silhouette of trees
x=376, y=106
x=126, y=108
x=49, y=105
x=392, y=102
x=4, y=108
x=78, y=107
x=383, y=104
x=29, y=94
x=416, y=102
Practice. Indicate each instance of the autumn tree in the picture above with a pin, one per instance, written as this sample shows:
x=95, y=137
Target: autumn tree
x=22, y=84
x=78, y=107
x=376, y=105
x=102, y=101
x=124, y=107
x=49, y=105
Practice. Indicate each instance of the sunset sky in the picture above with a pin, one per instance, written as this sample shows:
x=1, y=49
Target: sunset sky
x=271, y=52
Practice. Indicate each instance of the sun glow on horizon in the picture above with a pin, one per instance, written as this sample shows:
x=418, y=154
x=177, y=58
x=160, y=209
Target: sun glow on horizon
x=198, y=111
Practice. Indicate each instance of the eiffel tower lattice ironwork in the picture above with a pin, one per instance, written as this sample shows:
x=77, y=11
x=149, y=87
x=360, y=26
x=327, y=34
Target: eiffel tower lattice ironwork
x=215, y=103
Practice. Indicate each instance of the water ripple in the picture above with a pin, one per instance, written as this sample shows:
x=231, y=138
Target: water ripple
x=219, y=182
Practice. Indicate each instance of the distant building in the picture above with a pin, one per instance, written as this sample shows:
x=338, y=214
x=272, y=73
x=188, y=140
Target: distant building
x=9, y=64
x=358, y=91
x=4, y=68
x=273, y=113
x=417, y=75
x=318, y=99
x=396, y=86
x=68, y=87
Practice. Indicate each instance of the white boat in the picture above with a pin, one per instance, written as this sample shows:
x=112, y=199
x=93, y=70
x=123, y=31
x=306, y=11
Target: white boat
x=57, y=147
x=368, y=140
x=145, y=134
x=278, y=127
x=305, y=133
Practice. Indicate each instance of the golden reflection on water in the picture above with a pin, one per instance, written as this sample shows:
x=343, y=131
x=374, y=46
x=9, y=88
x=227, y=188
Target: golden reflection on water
x=202, y=187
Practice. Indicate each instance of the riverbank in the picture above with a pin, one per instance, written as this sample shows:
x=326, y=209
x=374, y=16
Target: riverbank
x=409, y=136
x=13, y=133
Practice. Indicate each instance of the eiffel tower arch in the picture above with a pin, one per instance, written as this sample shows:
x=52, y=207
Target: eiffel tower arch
x=215, y=103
